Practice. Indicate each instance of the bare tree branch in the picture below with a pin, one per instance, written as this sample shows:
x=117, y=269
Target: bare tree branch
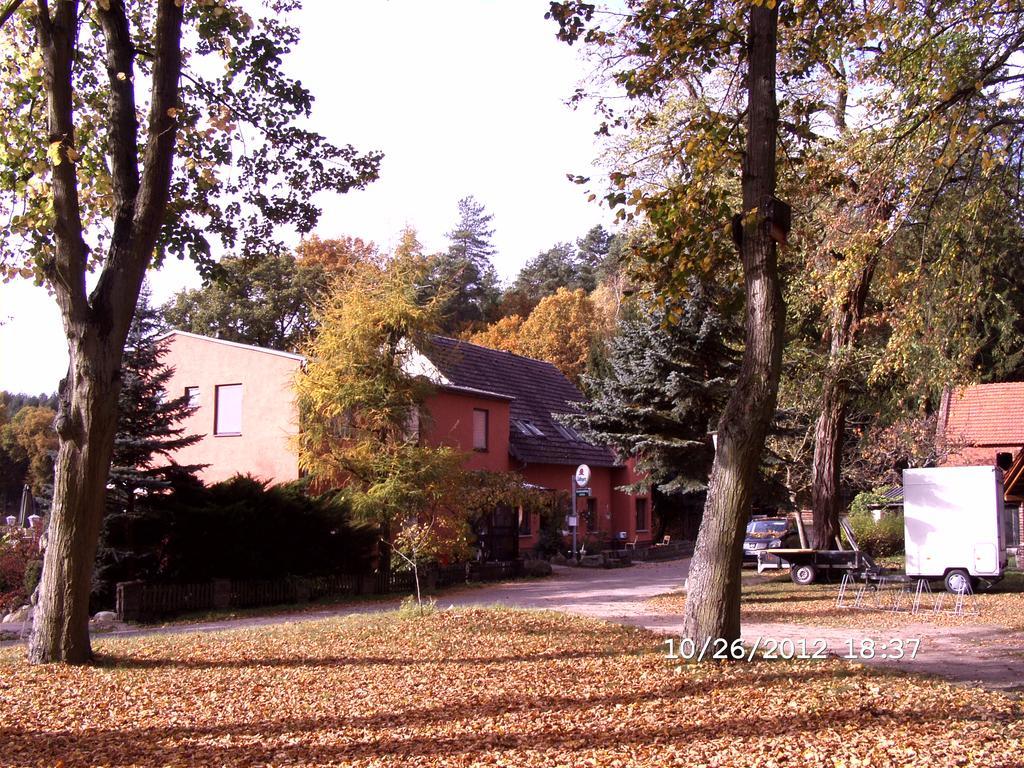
x=123, y=141
x=126, y=265
x=10, y=10
x=57, y=35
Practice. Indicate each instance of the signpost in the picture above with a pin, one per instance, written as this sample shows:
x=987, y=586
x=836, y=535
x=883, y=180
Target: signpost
x=582, y=475
x=579, y=485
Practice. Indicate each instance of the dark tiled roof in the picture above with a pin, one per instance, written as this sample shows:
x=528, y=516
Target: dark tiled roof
x=539, y=390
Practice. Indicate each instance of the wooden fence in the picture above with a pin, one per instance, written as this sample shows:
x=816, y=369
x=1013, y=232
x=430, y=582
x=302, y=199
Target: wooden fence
x=138, y=601
x=460, y=573
x=170, y=599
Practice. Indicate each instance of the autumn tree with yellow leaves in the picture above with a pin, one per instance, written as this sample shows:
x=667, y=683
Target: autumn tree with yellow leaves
x=360, y=409
x=28, y=441
x=564, y=329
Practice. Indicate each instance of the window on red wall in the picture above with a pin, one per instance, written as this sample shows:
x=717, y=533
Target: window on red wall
x=641, y=514
x=591, y=514
x=480, y=429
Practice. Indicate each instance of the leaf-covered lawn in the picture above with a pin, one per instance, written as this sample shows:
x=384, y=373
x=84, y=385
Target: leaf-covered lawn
x=780, y=600
x=480, y=687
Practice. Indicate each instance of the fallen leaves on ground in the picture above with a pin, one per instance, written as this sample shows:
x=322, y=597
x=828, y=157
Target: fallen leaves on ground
x=480, y=687
x=779, y=600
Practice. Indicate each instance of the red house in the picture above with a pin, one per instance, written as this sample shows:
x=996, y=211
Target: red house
x=243, y=406
x=503, y=407
x=498, y=408
x=985, y=425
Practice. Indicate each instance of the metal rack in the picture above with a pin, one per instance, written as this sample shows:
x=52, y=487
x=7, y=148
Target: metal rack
x=896, y=592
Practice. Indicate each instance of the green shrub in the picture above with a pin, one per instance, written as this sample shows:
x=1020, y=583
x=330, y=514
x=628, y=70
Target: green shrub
x=237, y=529
x=549, y=538
x=863, y=501
x=880, y=539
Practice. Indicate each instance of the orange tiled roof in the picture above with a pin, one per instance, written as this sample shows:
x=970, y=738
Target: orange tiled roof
x=986, y=414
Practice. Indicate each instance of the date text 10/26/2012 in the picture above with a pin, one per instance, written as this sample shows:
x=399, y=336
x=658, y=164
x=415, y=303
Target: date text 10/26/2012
x=858, y=649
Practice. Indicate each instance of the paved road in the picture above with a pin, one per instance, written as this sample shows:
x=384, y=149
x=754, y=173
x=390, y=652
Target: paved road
x=615, y=595
x=978, y=655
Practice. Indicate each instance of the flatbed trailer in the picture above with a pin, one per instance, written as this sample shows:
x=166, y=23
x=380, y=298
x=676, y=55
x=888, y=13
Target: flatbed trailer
x=806, y=565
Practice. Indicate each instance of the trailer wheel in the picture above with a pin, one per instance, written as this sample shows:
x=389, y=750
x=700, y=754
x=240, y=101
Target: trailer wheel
x=958, y=580
x=803, y=574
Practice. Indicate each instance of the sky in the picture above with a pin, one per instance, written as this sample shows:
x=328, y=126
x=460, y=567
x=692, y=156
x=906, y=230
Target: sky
x=463, y=97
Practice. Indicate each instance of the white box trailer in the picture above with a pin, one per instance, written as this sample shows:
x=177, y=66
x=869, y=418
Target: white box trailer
x=953, y=524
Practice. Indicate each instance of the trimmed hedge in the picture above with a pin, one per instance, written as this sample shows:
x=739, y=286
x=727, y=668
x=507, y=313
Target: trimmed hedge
x=878, y=539
x=238, y=529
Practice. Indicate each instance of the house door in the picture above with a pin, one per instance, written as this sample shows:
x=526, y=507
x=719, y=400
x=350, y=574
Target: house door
x=499, y=537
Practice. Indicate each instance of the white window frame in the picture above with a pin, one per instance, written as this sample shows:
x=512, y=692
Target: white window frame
x=218, y=410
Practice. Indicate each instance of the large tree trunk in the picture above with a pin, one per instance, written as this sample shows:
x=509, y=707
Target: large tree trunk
x=828, y=455
x=713, y=592
x=96, y=324
x=85, y=424
x=831, y=424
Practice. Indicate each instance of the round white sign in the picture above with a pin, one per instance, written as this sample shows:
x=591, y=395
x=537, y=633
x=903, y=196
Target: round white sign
x=582, y=475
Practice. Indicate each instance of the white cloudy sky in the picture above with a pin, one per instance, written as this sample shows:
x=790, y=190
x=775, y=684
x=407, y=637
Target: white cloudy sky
x=462, y=96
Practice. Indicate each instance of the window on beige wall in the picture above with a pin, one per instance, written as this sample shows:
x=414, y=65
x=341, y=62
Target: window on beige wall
x=192, y=393
x=479, y=429
x=227, y=418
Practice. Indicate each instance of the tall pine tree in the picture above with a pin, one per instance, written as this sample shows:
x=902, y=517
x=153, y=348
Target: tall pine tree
x=465, y=272
x=148, y=430
x=599, y=254
x=667, y=376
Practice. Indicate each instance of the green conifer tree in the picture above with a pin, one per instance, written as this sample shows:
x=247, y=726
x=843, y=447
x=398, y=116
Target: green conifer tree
x=148, y=421
x=465, y=272
x=659, y=396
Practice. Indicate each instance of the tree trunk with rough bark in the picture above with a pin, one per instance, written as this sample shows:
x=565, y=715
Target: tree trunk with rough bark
x=713, y=591
x=831, y=425
x=828, y=455
x=96, y=324
x=85, y=424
